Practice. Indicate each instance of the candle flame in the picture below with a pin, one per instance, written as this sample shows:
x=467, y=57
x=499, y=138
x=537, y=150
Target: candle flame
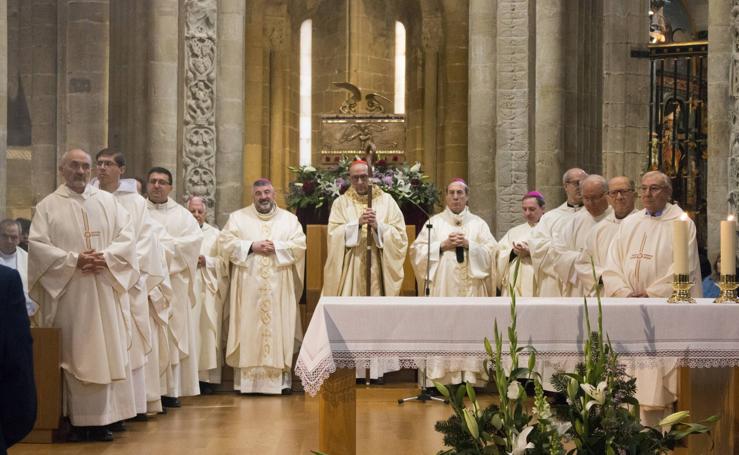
x=730, y=218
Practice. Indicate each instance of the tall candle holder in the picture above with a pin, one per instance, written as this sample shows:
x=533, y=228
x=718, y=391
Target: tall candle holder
x=728, y=285
x=681, y=286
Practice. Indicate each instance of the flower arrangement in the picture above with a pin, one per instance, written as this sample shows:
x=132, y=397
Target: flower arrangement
x=316, y=188
x=601, y=415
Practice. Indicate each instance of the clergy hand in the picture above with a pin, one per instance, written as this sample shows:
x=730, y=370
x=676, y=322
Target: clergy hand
x=521, y=249
x=368, y=217
x=263, y=247
x=201, y=261
x=91, y=261
x=454, y=240
x=638, y=294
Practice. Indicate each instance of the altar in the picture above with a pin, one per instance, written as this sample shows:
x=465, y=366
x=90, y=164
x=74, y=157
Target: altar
x=345, y=332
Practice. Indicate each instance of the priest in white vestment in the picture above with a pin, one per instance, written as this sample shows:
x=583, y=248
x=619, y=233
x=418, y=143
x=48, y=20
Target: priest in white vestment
x=266, y=247
x=182, y=241
x=14, y=257
x=572, y=262
x=461, y=260
x=211, y=291
x=111, y=165
x=82, y=261
x=350, y=225
x=460, y=263
x=639, y=264
x=513, y=250
x=543, y=257
x=621, y=195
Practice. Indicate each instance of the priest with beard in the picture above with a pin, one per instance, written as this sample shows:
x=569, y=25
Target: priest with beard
x=266, y=247
x=181, y=238
x=352, y=225
x=513, y=250
x=82, y=262
x=211, y=291
x=111, y=166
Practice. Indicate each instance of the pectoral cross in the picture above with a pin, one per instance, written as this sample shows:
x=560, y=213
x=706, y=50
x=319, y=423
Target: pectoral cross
x=88, y=234
x=641, y=255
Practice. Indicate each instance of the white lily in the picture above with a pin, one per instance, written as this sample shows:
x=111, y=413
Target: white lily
x=561, y=427
x=598, y=394
x=514, y=390
x=309, y=169
x=298, y=184
x=520, y=445
x=672, y=419
x=416, y=167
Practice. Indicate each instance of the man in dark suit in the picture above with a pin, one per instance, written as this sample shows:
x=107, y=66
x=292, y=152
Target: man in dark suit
x=17, y=387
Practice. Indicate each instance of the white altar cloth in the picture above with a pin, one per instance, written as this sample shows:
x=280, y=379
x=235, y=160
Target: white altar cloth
x=447, y=333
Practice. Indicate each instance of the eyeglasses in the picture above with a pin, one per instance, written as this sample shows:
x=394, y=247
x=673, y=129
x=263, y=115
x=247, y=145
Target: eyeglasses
x=356, y=178
x=654, y=189
x=104, y=164
x=160, y=182
x=615, y=193
x=573, y=182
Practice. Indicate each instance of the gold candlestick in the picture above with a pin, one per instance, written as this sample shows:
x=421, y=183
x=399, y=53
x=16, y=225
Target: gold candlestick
x=728, y=286
x=681, y=286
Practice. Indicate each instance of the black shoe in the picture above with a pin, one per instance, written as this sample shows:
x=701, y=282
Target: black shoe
x=139, y=418
x=206, y=388
x=287, y=391
x=171, y=402
x=101, y=434
x=77, y=434
x=117, y=427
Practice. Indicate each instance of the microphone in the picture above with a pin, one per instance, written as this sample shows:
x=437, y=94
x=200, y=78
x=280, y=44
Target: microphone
x=460, y=254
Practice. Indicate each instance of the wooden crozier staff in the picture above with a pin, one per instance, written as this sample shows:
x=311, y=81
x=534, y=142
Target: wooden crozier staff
x=370, y=150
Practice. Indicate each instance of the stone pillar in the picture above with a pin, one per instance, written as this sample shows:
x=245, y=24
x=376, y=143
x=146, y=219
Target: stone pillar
x=481, y=109
x=625, y=89
x=279, y=150
x=229, y=107
x=512, y=115
x=82, y=108
x=549, y=107
x=163, y=79
x=199, y=110
x=431, y=38
x=723, y=115
x=255, y=124
x=38, y=67
x=3, y=105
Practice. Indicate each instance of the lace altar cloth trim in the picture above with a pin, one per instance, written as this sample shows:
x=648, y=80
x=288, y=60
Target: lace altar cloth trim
x=312, y=379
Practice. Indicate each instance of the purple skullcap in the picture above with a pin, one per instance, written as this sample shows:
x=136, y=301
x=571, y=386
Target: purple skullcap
x=458, y=180
x=535, y=194
x=262, y=181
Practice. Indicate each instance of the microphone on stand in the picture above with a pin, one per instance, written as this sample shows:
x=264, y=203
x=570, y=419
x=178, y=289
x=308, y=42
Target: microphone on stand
x=427, y=281
x=460, y=254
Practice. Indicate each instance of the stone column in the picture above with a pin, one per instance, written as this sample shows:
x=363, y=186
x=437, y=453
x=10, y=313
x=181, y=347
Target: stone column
x=723, y=115
x=512, y=114
x=549, y=107
x=254, y=122
x=38, y=67
x=279, y=150
x=229, y=107
x=481, y=108
x=163, y=78
x=431, y=38
x=3, y=105
x=82, y=108
x=199, y=113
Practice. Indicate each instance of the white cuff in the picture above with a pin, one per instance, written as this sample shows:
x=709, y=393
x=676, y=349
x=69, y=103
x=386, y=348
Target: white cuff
x=351, y=234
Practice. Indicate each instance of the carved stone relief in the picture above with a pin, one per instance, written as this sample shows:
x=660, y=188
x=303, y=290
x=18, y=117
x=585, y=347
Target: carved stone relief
x=199, y=144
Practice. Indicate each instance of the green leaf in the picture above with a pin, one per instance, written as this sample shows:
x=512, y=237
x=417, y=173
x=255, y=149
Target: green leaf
x=471, y=423
x=442, y=389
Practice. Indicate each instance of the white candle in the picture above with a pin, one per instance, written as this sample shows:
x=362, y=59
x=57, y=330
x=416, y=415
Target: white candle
x=680, y=246
x=728, y=246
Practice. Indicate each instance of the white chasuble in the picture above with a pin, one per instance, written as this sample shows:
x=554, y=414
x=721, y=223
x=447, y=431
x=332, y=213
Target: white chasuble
x=475, y=276
x=543, y=255
x=345, y=271
x=90, y=309
x=597, y=245
x=211, y=291
x=526, y=282
x=182, y=241
x=569, y=247
x=640, y=257
x=264, y=323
